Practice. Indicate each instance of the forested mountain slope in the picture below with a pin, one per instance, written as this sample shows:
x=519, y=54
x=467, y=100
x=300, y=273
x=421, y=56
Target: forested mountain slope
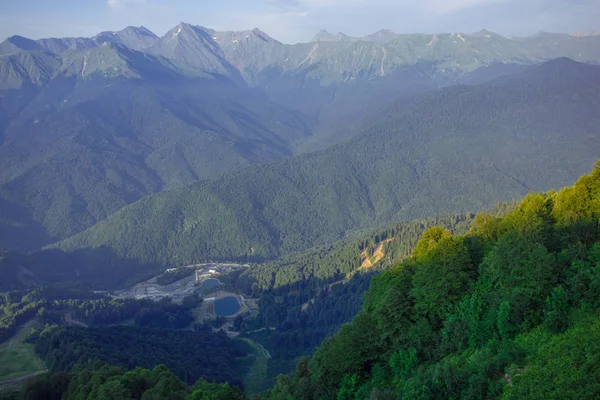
x=307, y=296
x=99, y=129
x=457, y=149
x=510, y=310
x=89, y=125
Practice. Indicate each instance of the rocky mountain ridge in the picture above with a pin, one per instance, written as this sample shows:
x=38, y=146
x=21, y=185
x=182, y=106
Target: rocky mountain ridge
x=254, y=55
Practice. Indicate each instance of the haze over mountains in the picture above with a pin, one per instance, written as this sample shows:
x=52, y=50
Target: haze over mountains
x=222, y=205
x=91, y=125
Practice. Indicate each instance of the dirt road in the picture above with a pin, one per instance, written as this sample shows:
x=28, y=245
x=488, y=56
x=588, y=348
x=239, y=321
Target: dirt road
x=22, y=378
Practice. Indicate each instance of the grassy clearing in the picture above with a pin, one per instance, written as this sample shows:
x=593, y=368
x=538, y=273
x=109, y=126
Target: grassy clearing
x=17, y=358
x=256, y=375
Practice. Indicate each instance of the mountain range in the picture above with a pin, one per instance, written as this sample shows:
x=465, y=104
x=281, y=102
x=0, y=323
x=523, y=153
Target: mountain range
x=330, y=58
x=89, y=126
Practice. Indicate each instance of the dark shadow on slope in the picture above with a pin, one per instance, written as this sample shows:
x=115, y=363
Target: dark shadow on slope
x=18, y=231
x=97, y=269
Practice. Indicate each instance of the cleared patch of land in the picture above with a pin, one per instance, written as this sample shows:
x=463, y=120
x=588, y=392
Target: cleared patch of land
x=17, y=358
x=378, y=254
x=257, y=372
x=200, y=273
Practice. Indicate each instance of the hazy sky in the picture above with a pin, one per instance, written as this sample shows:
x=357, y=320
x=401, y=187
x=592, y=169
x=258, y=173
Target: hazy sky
x=293, y=21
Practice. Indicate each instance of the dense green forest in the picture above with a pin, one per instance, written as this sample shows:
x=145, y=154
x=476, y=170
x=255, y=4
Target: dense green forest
x=127, y=333
x=123, y=335
x=100, y=381
x=118, y=140
x=189, y=354
x=307, y=296
x=52, y=304
x=298, y=329
x=325, y=264
x=102, y=269
x=444, y=152
x=467, y=315
x=509, y=310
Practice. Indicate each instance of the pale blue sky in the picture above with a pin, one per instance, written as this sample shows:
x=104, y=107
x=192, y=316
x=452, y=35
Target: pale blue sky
x=298, y=20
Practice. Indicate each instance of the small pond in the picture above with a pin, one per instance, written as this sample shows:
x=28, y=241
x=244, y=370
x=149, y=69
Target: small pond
x=209, y=285
x=227, y=306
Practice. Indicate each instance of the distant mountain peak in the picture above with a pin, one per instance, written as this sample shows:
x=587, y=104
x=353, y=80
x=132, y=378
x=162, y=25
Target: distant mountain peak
x=194, y=48
x=563, y=67
x=183, y=25
x=18, y=38
x=262, y=35
x=137, y=38
x=382, y=36
x=383, y=32
x=22, y=43
x=561, y=61
x=325, y=36
x=184, y=30
x=187, y=29
x=179, y=28
x=141, y=29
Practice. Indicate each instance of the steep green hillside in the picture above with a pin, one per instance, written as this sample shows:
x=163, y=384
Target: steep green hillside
x=340, y=260
x=510, y=310
x=307, y=296
x=457, y=149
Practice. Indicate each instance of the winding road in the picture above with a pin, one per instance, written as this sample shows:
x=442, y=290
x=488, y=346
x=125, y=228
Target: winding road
x=22, y=378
